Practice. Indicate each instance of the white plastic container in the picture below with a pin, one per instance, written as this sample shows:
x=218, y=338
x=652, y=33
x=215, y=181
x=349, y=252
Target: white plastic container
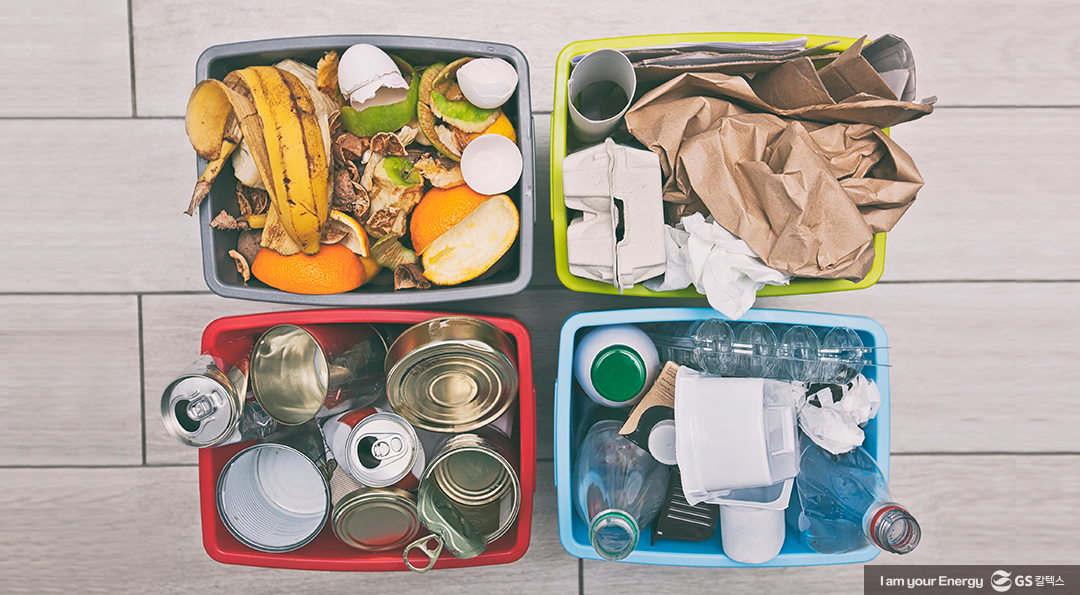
x=733, y=433
x=615, y=365
x=752, y=522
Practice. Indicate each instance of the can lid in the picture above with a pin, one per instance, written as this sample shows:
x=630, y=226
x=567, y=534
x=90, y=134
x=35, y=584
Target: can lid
x=618, y=373
x=376, y=519
x=452, y=386
x=200, y=410
x=442, y=518
x=382, y=449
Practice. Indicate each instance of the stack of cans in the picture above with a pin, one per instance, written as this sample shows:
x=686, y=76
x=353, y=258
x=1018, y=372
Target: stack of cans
x=384, y=436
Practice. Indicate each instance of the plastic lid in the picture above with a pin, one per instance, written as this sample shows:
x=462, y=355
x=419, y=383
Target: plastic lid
x=662, y=442
x=618, y=373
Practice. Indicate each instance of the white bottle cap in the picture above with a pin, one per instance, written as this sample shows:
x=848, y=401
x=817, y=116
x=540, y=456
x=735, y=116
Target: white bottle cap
x=662, y=442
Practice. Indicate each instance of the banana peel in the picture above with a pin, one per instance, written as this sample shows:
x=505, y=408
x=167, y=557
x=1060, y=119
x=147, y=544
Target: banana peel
x=289, y=144
x=471, y=247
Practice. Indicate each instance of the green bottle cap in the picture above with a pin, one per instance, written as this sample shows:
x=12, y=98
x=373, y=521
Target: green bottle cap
x=618, y=373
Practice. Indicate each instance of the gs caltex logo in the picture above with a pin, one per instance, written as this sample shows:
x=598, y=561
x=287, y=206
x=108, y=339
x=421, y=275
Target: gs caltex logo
x=1001, y=581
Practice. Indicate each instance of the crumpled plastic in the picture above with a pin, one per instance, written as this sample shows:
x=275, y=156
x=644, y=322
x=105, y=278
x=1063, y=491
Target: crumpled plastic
x=833, y=415
x=719, y=264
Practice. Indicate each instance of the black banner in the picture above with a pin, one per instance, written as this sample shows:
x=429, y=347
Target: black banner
x=886, y=580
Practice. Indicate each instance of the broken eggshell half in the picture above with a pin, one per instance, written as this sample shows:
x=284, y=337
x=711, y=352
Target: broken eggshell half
x=487, y=82
x=368, y=76
x=491, y=164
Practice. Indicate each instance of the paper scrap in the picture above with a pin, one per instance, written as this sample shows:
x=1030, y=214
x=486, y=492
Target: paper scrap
x=833, y=415
x=662, y=393
x=718, y=263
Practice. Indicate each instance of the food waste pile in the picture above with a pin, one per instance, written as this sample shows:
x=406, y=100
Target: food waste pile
x=359, y=169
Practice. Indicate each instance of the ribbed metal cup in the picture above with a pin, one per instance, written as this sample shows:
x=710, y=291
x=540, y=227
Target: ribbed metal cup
x=275, y=496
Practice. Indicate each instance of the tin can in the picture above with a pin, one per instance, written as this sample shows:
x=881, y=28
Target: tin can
x=451, y=374
x=371, y=519
x=275, y=495
x=475, y=474
x=300, y=373
x=206, y=406
x=376, y=447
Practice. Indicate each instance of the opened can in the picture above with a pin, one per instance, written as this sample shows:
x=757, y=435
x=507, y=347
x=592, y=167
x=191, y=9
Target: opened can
x=317, y=370
x=206, y=406
x=275, y=496
x=451, y=374
x=476, y=475
x=371, y=519
x=376, y=447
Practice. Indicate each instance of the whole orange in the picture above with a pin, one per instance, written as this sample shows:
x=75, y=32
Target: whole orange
x=333, y=269
x=439, y=210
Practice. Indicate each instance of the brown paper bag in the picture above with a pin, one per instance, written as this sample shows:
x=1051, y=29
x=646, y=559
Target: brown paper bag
x=806, y=197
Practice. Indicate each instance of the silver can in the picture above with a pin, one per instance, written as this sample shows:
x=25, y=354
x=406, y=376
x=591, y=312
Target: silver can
x=451, y=374
x=206, y=406
x=275, y=495
x=299, y=373
x=377, y=448
x=476, y=475
x=372, y=519
x=476, y=471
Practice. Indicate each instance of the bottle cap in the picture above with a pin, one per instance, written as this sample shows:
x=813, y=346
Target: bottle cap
x=618, y=373
x=662, y=442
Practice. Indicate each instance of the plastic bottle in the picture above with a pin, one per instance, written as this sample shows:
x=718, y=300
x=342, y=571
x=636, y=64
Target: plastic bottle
x=615, y=365
x=704, y=345
x=846, y=504
x=618, y=490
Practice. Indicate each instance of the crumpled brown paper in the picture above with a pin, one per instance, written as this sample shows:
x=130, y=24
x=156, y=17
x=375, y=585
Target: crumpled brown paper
x=806, y=197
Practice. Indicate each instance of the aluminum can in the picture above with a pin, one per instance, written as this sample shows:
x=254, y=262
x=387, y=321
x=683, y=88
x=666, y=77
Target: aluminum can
x=371, y=519
x=274, y=496
x=469, y=496
x=206, y=405
x=451, y=374
x=299, y=373
x=477, y=473
x=376, y=448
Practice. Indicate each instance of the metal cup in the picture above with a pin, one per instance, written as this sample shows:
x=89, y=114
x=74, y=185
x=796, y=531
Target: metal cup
x=317, y=370
x=275, y=496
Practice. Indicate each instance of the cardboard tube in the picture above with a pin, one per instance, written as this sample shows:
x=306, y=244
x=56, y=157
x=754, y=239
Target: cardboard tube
x=597, y=67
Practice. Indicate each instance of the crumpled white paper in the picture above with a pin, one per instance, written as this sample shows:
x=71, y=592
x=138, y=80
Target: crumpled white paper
x=718, y=263
x=836, y=425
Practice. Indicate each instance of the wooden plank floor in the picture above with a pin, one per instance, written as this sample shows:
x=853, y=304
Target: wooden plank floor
x=105, y=301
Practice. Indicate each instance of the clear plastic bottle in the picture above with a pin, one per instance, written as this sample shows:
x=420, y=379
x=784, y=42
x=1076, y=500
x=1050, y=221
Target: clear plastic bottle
x=846, y=504
x=704, y=345
x=799, y=354
x=841, y=355
x=758, y=350
x=618, y=489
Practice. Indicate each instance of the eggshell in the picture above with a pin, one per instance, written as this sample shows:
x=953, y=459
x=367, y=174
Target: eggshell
x=487, y=82
x=367, y=76
x=491, y=164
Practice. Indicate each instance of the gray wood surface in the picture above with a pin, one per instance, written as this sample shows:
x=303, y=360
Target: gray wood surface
x=105, y=301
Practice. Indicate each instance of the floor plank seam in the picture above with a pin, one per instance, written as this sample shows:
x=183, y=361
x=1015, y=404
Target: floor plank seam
x=581, y=576
x=131, y=59
x=140, y=466
x=142, y=379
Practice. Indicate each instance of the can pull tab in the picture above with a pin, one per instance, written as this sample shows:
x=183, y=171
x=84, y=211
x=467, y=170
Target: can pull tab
x=422, y=545
x=200, y=408
x=388, y=447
